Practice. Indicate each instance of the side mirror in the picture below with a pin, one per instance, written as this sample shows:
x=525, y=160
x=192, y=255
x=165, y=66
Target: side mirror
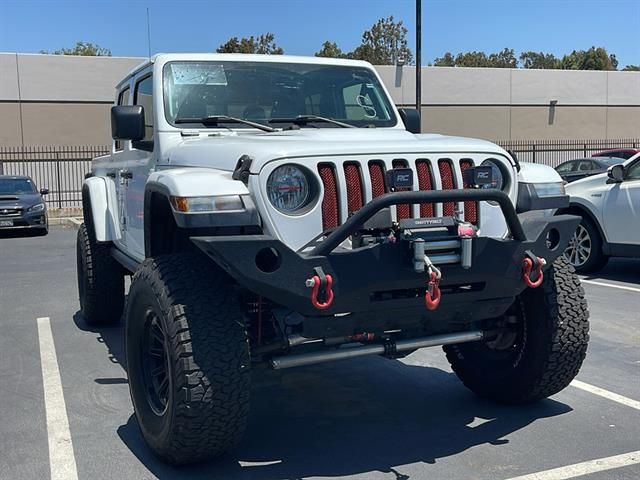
x=44, y=191
x=411, y=119
x=127, y=122
x=615, y=173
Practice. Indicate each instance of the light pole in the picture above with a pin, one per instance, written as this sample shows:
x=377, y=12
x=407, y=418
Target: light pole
x=419, y=56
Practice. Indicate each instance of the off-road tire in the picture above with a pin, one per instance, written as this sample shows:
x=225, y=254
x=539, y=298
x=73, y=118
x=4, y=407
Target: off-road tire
x=207, y=357
x=551, y=347
x=596, y=259
x=100, y=280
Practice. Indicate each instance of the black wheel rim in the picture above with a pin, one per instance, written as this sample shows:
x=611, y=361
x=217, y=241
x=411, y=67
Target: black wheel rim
x=155, y=364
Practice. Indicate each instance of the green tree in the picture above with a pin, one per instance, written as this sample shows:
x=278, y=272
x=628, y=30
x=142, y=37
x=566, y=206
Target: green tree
x=86, y=49
x=631, y=68
x=447, y=60
x=384, y=43
x=592, y=59
x=505, y=58
x=331, y=50
x=539, y=60
x=263, y=44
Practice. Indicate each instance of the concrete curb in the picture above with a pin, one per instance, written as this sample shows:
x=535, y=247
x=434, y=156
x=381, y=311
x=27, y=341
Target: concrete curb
x=69, y=222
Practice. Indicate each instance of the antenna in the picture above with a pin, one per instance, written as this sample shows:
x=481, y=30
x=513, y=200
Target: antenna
x=148, y=34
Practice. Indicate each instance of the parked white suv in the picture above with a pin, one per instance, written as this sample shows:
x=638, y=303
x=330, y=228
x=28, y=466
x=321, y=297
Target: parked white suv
x=609, y=205
x=280, y=211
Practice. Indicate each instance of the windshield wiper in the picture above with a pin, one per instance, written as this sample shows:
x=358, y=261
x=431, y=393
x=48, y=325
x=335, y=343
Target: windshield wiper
x=214, y=120
x=305, y=119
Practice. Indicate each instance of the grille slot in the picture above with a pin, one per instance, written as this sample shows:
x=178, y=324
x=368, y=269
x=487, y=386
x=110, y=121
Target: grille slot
x=330, y=207
x=425, y=182
x=403, y=210
x=470, y=208
x=355, y=194
x=376, y=173
x=448, y=183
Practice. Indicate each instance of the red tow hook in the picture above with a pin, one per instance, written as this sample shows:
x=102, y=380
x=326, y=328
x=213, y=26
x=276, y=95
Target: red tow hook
x=317, y=281
x=432, y=295
x=528, y=264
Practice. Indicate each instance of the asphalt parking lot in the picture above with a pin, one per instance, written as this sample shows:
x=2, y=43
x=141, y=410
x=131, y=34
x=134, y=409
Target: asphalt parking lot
x=366, y=418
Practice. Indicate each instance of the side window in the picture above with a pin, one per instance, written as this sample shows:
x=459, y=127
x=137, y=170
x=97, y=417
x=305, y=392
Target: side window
x=123, y=99
x=585, y=165
x=633, y=173
x=565, y=167
x=143, y=95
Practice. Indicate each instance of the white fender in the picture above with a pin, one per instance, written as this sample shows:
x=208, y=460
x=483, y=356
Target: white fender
x=104, y=208
x=198, y=182
x=537, y=173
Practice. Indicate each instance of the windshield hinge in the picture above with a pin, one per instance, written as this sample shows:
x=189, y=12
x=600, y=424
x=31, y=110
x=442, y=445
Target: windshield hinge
x=241, y=172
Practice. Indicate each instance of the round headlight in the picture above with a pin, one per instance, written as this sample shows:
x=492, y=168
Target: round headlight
x=496, y=175
x=289, y=189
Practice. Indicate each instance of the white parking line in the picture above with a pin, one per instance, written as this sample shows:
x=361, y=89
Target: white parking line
x=606, y=394
x=62, y=462
x=603, y=284
x=585, y=468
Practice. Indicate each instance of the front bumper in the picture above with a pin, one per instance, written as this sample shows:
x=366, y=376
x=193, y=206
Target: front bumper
x=375, y=287
x=35, y=220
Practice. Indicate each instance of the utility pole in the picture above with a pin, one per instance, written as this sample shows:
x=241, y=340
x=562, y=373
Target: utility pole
x=419, y=56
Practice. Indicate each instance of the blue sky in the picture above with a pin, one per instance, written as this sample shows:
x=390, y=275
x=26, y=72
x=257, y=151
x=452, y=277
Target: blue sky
x=300, y=26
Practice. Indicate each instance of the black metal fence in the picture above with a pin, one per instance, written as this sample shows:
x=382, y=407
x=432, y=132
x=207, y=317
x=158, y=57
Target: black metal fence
x=554, y=152
x=62, y=169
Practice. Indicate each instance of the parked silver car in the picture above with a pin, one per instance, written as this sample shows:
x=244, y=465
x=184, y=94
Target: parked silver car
x=609, y=206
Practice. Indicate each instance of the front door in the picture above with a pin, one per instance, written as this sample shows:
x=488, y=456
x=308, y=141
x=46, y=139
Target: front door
x=622, y=208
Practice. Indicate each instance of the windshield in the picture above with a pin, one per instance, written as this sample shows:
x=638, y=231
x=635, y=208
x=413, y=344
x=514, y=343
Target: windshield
x=16, y=186
x=261, y=92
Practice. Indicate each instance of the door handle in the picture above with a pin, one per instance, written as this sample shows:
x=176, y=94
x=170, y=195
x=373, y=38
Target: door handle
x=126, y=174
x=111, y=175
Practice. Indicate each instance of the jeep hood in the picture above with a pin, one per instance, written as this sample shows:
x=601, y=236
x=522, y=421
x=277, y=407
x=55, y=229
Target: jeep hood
x=222, y=151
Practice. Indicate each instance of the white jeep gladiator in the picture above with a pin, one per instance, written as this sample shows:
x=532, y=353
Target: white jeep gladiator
x=281, y=211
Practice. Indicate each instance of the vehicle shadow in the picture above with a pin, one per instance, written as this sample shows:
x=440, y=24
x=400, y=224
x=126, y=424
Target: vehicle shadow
x=350, y=417
x=344, y=418
x=112, y=336
x=620, y=270
x=19, y=233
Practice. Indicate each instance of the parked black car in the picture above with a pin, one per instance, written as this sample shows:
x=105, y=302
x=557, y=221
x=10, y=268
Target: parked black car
x=585, y=167
x=22, y=205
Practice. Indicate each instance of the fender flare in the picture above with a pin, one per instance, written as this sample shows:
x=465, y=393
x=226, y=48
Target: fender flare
x=199, y=182
x=99, y=204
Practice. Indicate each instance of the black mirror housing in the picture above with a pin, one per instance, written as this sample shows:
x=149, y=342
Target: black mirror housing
x=127, y=122
x=411, y=119
x=615, y=173
x=44, y=191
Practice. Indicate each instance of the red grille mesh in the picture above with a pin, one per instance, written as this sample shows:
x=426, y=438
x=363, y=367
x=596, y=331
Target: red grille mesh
x=424, y=183
x=402, y=211
x=376, y=172
x=446, y=176
x=354, y=187
x=330, y=213
x=470, y=208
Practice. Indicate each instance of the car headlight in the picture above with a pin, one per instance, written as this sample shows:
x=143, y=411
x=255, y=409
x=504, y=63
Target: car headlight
x=207, y=204
x=39, y=207
x=290, y=189
x=497, y=177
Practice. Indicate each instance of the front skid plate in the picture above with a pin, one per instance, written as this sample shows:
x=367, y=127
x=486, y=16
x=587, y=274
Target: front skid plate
x=379, y=281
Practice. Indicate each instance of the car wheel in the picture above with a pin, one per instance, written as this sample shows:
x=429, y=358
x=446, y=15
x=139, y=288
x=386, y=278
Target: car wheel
x=540, y=348
x=187, y=358
x=584, y=251
x=100, y=280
